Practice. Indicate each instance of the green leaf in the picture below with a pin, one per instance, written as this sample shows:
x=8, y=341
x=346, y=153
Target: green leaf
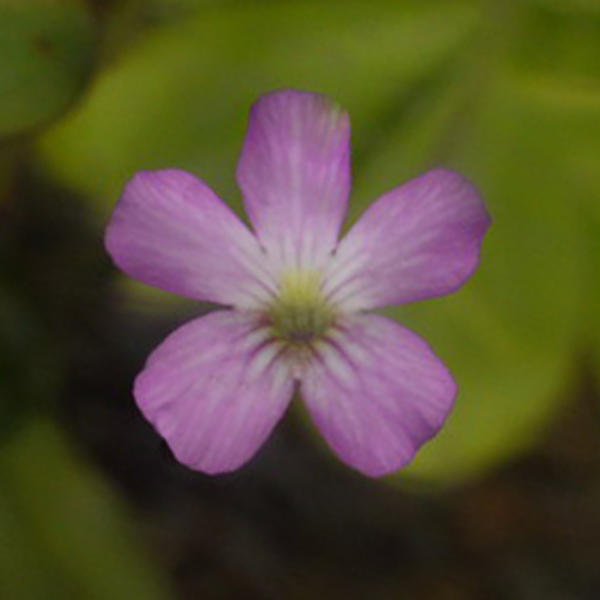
x=584, y=8
x=68, y=535
x=511, y=335
x=46, y=52
x=25, y=573
x=579, y=124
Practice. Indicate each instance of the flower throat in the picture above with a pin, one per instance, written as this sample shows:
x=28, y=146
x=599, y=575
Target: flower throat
x=300, y=314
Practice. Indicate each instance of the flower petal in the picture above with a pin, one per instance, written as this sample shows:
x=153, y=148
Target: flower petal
x=377, y=393
x=214, y=390
x=421, y=240
x=294, y=174
x=171, y=231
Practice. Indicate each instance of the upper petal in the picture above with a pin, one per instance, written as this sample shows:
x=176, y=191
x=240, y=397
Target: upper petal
x=171, y=231
x=377, y=393
x=420, y=240
x=214, y=389
x=294, y=173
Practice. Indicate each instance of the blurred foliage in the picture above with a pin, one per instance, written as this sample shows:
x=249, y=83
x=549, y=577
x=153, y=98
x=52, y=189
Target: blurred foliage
x=508, y=93
x=63, y=533
x=46, y=54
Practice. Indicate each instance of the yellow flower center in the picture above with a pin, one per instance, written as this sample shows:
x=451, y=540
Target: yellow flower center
x=301, y=313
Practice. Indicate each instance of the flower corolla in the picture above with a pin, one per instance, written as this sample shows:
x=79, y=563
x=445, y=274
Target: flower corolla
x=297, y=301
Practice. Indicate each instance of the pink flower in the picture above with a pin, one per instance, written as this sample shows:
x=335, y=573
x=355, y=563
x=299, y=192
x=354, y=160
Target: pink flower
x=296, y=299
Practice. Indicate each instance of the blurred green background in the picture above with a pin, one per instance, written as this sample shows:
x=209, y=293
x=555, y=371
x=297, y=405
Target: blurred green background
x=504, y=504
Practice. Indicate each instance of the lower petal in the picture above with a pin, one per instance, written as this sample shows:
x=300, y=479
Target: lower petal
x=215, y=389
x=377, y=393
